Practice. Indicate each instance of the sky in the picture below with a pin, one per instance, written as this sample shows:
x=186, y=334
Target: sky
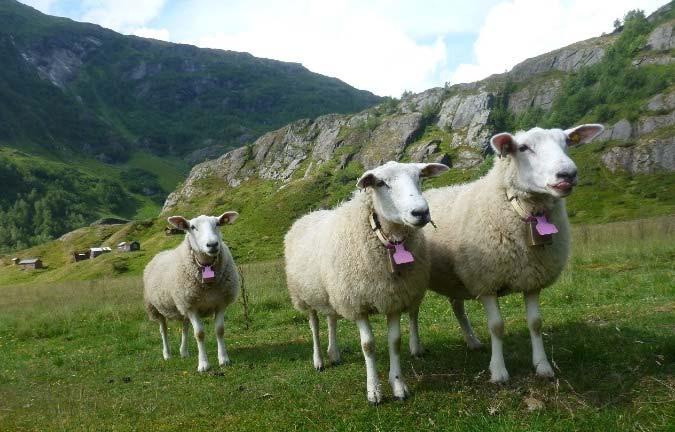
x=385, y=46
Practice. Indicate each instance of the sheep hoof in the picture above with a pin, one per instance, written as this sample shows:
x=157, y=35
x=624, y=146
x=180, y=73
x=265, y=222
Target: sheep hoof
x=184, y=354
x=225, y=362
x=166, y=356
x=374, y=397
x=203, y=367
x=474, y=345
x=499, y=375
x=319, y=368
x=334, y=358
x=401, y=391
x=418, y=352
x=544, y=370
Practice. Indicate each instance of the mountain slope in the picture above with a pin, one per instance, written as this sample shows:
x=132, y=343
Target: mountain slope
x=114, y=93
x=128, y=116
x=624, y=80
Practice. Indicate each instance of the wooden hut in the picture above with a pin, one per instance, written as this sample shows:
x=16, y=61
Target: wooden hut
x=31, y=263
x=81, y=256
x=129, y=246
x=96, y=251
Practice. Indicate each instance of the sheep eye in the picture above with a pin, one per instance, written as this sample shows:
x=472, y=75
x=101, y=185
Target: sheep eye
x=192, y=227
x=381, y=183
x=523, y=148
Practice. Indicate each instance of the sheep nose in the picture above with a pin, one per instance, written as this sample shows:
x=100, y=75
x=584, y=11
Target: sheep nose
x=570, y=175
x=212, y=245
x=421, y=213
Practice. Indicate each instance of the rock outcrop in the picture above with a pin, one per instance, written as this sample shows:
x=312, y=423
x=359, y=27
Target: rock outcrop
x=645, y=158
x=466, y=115
x=568, y=59
x=662, y=38
x=537, y=95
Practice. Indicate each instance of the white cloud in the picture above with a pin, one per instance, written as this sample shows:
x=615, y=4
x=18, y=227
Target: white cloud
x=347, y=40
x=519, y=29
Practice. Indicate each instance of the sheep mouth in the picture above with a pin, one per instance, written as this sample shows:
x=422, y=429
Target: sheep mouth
x=563, y=187
x=418, y=223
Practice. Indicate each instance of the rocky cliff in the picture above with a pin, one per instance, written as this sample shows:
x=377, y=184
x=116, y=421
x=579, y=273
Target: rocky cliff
x=453, y=124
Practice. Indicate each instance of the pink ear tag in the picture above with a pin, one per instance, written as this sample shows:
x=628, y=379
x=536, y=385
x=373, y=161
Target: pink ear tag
x=208, y=275
x=401, y=255
x=544, y=227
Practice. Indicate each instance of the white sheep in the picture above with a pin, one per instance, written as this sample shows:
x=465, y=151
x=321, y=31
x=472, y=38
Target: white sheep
x=483, y=249
x=195, y=279
x=338, y=263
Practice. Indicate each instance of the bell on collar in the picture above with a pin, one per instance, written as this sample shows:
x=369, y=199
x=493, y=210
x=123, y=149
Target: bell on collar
x=208, y=275
x=536, y=239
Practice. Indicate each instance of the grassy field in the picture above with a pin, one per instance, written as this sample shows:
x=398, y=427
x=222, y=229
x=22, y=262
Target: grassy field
x=82, y=356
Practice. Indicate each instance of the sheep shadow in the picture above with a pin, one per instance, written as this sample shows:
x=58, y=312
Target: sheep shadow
x=599, y=363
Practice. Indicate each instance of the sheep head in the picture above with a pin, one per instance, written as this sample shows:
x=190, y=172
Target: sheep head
x=203, y=232
x=540, y=157
x=397, y=191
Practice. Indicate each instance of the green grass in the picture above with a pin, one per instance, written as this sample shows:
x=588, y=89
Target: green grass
x=169, y=171
x=82, y=356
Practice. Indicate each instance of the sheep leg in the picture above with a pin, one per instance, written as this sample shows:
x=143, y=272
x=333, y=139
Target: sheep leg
x=539, y=359
x=198, y=328
x=166, y=351
x=373, y=392
x=414, y=339
x=184, y=338
x=316, y=342
x=467, y=331
x=219, y=321
x=498, y=371
x=333, y=349
x=398, y=386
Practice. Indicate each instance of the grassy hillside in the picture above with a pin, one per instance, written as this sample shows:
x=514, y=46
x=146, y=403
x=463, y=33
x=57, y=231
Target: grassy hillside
x=84, y=356
x=267, y=212
x=43, y=198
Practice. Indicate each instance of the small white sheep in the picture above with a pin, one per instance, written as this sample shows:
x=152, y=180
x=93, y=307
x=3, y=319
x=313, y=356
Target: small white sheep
x=338, y=263
x=195, y=279
x=494, y=234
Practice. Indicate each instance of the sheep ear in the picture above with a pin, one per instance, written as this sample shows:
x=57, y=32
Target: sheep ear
x=227, y=218
x=368, y=179
x=179, y=222
x=503, y=143
x=583, y=134
x=432, y=169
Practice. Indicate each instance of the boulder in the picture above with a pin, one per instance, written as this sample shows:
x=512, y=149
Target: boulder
x=420, y=101
x=661, y=38
x=466, y=159
x=662, y=102
x=390, y=138
x=645, y=158
x=620, y=131
x=540, y=95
